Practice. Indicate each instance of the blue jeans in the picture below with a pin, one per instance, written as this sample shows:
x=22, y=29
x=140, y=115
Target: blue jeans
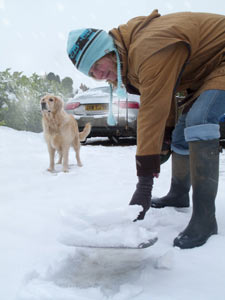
x=201, y=122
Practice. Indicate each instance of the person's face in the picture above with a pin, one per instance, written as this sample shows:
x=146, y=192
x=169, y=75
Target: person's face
x=104, y=69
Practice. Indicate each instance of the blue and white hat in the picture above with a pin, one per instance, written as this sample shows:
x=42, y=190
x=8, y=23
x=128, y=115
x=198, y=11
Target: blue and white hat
x=86, y=46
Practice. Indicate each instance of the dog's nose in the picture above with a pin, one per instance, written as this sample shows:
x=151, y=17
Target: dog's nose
x=43, y=106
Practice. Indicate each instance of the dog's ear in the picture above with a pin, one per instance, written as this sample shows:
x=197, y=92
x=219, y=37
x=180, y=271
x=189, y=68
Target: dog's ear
x=58, y=104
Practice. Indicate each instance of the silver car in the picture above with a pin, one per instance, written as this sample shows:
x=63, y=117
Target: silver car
x=93, y=106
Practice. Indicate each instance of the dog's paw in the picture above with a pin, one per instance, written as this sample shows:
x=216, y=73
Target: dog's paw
x=51, y=170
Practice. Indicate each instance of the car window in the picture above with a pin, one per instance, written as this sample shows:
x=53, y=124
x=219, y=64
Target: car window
x=95, y=92
x=102, y=92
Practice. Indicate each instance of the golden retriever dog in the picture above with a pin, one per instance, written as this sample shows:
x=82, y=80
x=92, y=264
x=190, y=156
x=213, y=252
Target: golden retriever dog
x=61, y=131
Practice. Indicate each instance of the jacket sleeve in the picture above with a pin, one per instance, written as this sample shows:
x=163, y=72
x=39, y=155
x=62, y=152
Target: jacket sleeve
x=158, y=77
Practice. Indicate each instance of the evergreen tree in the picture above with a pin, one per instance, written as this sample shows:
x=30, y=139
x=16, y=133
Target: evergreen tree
x=20, y=98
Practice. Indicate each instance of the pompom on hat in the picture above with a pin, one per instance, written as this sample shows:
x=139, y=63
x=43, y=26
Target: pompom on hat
x=86, y=46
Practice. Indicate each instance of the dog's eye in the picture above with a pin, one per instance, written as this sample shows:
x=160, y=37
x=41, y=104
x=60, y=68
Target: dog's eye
x=51, y=99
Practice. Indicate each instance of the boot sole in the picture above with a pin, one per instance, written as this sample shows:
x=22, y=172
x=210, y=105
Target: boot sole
x=162, y=206
x=197, y=243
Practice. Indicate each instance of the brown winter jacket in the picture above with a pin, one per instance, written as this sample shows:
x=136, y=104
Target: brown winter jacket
x=162, y=55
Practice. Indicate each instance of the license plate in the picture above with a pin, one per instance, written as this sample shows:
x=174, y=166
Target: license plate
x=91, y=107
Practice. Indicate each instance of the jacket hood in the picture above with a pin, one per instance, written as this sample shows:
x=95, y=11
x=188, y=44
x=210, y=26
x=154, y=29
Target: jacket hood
x=123, y=37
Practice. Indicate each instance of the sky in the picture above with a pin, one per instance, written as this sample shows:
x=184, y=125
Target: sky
x=33, y=34
x=43, y=214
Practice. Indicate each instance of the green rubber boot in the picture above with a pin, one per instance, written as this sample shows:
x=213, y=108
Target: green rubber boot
x=178, y=195
x=204, y=166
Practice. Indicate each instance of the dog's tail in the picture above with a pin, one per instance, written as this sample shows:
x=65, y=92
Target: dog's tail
x=83, y=134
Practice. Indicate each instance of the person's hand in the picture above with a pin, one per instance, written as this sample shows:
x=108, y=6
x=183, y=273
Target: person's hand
x=142, y=195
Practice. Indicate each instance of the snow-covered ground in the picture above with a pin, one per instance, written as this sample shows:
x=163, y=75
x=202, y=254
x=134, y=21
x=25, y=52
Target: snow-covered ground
x=40, y=213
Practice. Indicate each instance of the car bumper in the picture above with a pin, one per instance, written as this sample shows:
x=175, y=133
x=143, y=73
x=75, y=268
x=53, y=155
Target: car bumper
x=123, y=128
